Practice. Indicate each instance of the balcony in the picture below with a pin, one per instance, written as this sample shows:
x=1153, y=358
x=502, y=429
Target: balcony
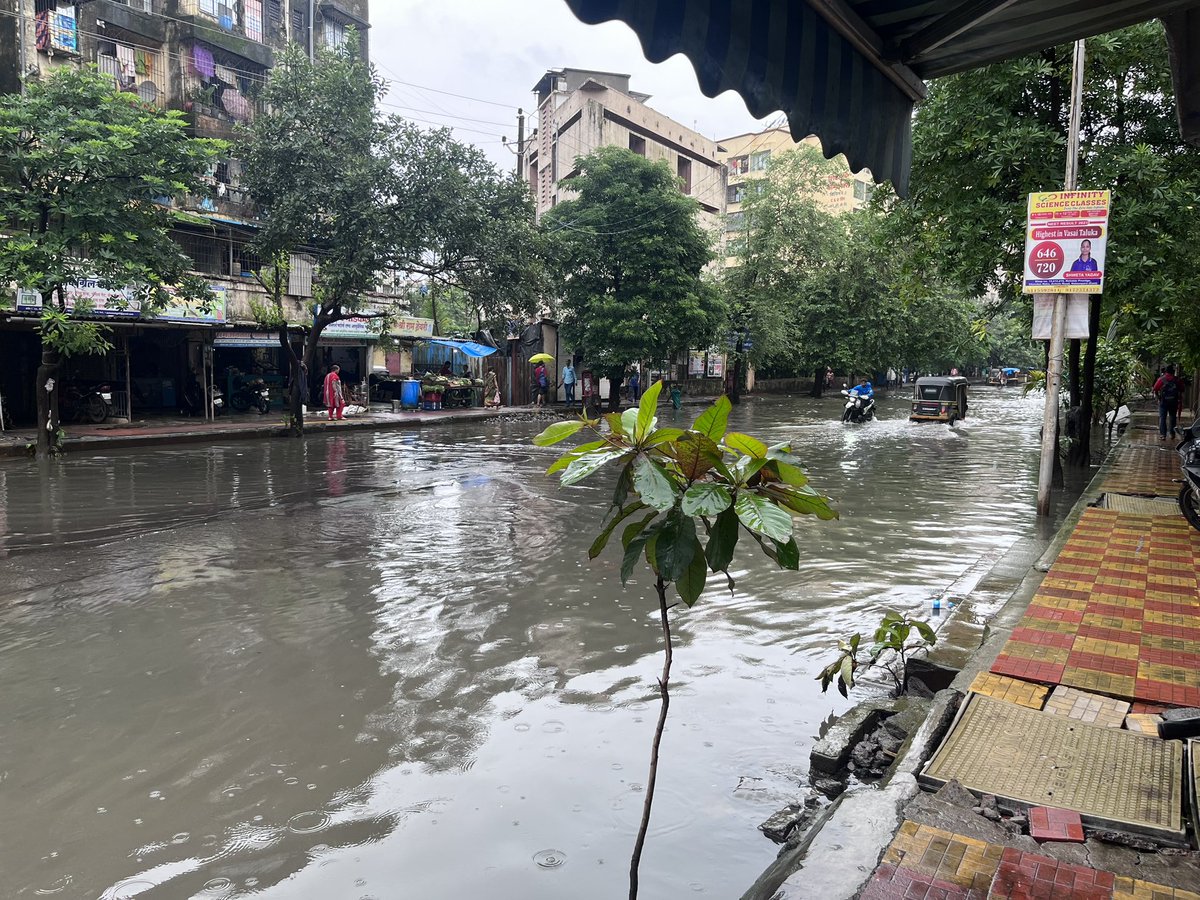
x=235, y=26
x=220, y=91
x=135, y=70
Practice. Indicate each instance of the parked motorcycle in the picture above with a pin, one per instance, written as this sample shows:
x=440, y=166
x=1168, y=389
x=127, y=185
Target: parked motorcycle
x=1189, y=458
x=251, y=393
x=90, y=403
x=858, y=408
x=193, y=399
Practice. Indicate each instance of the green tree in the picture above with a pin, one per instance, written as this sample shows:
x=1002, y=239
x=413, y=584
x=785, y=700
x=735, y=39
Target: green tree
x=86, y=175
x=684, y=499
x=983, y=141
x=365, y=193
x=632, y=255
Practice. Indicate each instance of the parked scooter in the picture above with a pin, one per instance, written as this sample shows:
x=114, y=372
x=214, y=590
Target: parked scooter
x=92, y=403
x=193, y=399
x=1189, y=458
x=253, y=392
x=858, y=408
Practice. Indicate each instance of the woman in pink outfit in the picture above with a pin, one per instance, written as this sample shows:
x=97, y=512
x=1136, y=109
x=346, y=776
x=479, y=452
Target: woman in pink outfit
x=335, y=400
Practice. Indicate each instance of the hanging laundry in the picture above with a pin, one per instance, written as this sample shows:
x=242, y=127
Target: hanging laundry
x=139, y=62
x=227, y=75
x=203, y=63
x=128, y=62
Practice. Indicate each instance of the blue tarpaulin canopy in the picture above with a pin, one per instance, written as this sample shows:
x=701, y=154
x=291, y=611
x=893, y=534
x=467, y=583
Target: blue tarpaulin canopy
x=470, y=348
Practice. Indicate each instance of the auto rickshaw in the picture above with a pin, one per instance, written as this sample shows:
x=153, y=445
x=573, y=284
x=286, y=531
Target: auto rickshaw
x=939, y=399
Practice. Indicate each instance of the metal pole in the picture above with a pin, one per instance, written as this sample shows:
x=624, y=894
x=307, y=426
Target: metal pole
x=312, y=27
x=24, y=53
x=521, y=144
x=1058, y=324
x=128, y=380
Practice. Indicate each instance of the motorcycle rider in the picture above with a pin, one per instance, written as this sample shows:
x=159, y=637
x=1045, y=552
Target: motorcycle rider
x=863, y=389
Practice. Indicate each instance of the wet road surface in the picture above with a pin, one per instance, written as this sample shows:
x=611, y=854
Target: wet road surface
x=380, y=665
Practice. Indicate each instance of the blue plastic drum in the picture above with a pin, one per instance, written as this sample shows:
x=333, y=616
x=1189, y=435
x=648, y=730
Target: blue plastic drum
x=410, y=394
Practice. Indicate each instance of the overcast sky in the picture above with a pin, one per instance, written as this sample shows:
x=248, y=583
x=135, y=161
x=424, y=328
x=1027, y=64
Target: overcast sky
x=496, y=51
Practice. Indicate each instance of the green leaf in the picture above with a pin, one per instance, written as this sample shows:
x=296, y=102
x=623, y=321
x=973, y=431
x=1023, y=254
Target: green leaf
x=623, y=486
x=633, y=529
x=615, y=423
x=927, y=634
x=633, y=550
x=647, y=410
x=722, y=540
x=847, y=672
x=675, y=545
x=695, y=454
x=664, y=436
x=743, y=443
x=653, y=485
x=573, y=454
x=788, y=554
x=691, y=584
x=763, y=517
x=804, y=501
x=583, y=466
x=629, y=420
x=713, y=421
x=601, y=540
x=706, y=499
x=559, y=431
x=790, y=474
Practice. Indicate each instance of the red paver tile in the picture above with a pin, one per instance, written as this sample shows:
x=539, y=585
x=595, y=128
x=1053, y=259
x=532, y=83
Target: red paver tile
x=1098, y=663
x=892, y=882
x=1043, y=638
x=1049, y=823
x=1026, y=876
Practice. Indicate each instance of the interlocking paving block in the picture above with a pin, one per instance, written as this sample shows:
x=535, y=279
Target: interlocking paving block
x=1143, y=723
x=1126, y=888
x=1141, y=506
x=892, y=882
x=1148, y=470
x=1076, y=704
x=1049, y=823
x=1024, y=876
x=1113, y=778
x=1011, y=690
x=1118, y=613
x=942, y=855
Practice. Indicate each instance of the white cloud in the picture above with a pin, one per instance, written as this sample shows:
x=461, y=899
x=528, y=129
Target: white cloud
x=497, y=51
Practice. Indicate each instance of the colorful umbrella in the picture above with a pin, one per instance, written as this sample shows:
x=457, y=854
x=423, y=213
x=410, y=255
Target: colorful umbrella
x=541, y=357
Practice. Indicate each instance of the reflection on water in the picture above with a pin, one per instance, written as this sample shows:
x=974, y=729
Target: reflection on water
x=381, y=665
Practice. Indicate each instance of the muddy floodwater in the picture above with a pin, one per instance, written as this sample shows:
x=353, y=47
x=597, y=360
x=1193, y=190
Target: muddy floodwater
x=379, y=665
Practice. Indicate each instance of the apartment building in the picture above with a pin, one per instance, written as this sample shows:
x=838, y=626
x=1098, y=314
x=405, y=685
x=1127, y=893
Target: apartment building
x=207, y=58
x=581, y=110
x=746, y=157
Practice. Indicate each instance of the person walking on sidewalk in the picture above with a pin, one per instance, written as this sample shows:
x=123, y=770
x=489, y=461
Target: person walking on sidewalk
x=568, y=380
x=1168, y=391
x=334, y=396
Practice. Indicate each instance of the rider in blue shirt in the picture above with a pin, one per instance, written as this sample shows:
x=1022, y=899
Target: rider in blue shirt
x=863, y=388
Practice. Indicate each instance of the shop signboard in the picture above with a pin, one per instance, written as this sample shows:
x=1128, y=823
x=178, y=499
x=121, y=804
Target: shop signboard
x=1066, y=236
x=105, y=302
x=409, y=327
x=696, y=363
x=251, y=339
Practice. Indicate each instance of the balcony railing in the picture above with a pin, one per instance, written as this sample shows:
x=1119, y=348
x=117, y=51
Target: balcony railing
x=135, y=70
x=240, y=17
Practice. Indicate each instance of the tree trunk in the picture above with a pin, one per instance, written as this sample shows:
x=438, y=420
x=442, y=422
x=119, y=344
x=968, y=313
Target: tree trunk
x=735, y=385
x=1081, y=450
x=1073, y=373
x=48, y=420
x=818, y=388
x=616, y=377
x=298, y=385
x=665, y=694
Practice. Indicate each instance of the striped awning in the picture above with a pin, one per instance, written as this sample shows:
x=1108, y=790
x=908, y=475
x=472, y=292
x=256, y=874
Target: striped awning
x=849, y=71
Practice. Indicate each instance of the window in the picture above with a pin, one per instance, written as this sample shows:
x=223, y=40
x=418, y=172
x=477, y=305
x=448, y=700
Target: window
x=209, y=7
x=735, y=193
x=683, y=168
x=335, y=34
x=254, y=20
x=637, y=144
x=758, y=161
x=862, y=191
x=735, y=221
x=738, y=165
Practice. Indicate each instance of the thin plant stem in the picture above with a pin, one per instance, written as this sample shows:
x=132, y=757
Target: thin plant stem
x=663, y=692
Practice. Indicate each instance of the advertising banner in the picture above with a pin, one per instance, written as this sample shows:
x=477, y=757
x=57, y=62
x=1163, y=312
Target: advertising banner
x=1077, y=317
x=696, y=363
x=91, y=296
x=1066, y=235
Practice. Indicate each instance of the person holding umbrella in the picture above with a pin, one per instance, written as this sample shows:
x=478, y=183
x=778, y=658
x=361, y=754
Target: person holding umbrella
x=541, y=379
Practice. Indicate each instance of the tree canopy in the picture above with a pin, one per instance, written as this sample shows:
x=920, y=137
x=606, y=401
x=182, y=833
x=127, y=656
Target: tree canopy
x=632, y=260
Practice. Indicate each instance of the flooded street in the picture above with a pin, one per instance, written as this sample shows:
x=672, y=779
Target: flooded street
x=379, y=665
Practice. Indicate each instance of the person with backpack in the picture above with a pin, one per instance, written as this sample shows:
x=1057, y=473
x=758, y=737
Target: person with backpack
x=1169, y=392
x=541, y=385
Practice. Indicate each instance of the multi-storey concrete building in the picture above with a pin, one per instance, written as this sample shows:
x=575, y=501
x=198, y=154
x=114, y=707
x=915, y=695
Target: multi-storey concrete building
x=746, y=157
x=208, y=58
x=580, y=110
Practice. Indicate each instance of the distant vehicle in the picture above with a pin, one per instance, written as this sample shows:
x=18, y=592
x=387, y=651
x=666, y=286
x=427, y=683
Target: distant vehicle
x=252, y=392
x=939, y=399
x=1006, y=375
x=86, y=403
